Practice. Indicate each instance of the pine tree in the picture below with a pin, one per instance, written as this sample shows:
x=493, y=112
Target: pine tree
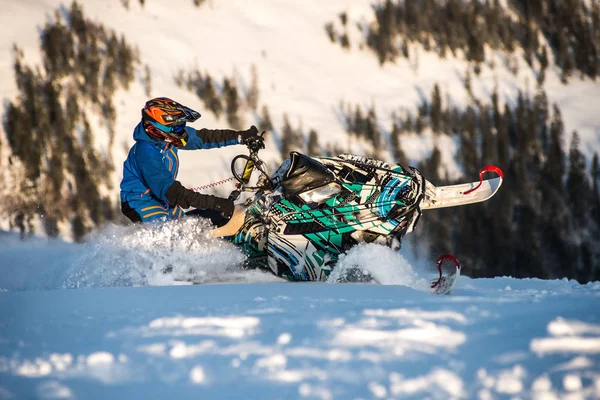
x=540, y=120
x=489, y=154
x=330, y=31
x=346, y=112
x=147, y=81
x=299, y=142
x=510, y=126
x=343, y=18
x=359, y=122
x=18, y=126
x=563, y=58
x=108, y=78
x=555, y=228
x=77, y=22
x=408, y=124
x=503, y=216
x=78, y=228
x=345, y=41
x=313, y=148
x=468, y=84
x=523, y=145
x=595, y=174
x=543, y=57
x=432, y=165
x=232, y=102
x=503, y=142
x=287, y=137
x=253, y=93
x=195, y=83
x=211, y=98
x=595, y=200
x=89, y=68
x=372, y=129
x=436, y=109
x=179, y=78
x=384, y=38
x=468, y=147
x=125, y=63
x=57, y=48
x=397, y=151
x=555, y=162
x=265, y=120
x=578, y=188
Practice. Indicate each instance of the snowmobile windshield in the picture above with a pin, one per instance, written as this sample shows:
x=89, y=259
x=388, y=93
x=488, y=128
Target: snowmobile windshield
x=304, y=174
x=320, y=194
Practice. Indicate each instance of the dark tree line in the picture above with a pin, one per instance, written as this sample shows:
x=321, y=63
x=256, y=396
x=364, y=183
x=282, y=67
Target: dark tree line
x=221, y=98
x=571, y=27
x=545, y=220
x=229, y=100
x=48, y=130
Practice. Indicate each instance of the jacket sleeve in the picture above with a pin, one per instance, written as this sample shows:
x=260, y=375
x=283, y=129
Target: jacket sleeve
x=210, y=138
x=154, y=172
x=186, y=198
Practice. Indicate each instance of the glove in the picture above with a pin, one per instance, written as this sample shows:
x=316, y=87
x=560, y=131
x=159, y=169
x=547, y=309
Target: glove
x=250, y=133
x=224, y=206
x=252, y=139
x=186, y=198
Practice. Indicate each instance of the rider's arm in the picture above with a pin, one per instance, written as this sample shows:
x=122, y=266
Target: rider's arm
x=186, y=198
x=210, y=138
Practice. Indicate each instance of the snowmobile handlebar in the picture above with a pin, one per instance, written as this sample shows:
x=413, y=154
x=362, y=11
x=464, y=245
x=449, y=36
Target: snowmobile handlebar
x=254, y=145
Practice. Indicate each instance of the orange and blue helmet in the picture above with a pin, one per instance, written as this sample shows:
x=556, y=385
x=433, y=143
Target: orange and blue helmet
x=165, y=119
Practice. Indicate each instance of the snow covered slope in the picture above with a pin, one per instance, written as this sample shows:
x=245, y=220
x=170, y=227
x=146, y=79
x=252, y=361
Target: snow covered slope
x=299, y=71
x=269, y=339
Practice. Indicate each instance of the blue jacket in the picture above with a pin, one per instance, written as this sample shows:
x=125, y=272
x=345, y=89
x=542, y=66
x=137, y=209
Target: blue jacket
x=152, y=166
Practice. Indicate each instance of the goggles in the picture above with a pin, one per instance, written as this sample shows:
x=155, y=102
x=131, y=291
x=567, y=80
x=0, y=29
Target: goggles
x=176, y=131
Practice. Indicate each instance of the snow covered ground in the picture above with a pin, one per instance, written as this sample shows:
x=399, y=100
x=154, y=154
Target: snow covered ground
x=71, y=326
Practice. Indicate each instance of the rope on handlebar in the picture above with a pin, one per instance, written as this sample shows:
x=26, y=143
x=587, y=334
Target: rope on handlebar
x=199, y=188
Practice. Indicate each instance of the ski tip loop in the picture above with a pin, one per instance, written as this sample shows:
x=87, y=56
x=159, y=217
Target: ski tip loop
x=487, y=168
x=438, y=263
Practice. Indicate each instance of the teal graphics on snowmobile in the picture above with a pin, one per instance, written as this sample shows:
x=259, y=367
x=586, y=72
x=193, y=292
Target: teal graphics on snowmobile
x=300, y=240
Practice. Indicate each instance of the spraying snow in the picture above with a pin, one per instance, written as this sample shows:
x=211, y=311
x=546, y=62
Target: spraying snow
x=149, y=255
x=153, y=255
x=172, y=253
x=386, y=266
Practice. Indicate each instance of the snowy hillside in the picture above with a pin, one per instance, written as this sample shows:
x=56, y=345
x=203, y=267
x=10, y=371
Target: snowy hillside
x=299, y=71
x=267, y=339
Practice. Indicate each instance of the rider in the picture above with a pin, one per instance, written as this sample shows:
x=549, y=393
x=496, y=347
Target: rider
x=149, y=189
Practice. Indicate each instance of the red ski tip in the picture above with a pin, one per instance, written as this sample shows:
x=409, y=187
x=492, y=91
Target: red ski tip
x=438, y=263
x=487, y=168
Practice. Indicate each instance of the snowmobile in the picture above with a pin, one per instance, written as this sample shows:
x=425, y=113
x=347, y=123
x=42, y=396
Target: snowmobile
x=301, y=218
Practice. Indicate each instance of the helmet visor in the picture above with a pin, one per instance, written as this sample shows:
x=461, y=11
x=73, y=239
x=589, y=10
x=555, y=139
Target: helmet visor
x=174, y=131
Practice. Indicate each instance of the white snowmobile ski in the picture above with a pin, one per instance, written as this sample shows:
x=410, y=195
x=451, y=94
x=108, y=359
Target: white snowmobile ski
x=461, y=194
x=444, y=284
